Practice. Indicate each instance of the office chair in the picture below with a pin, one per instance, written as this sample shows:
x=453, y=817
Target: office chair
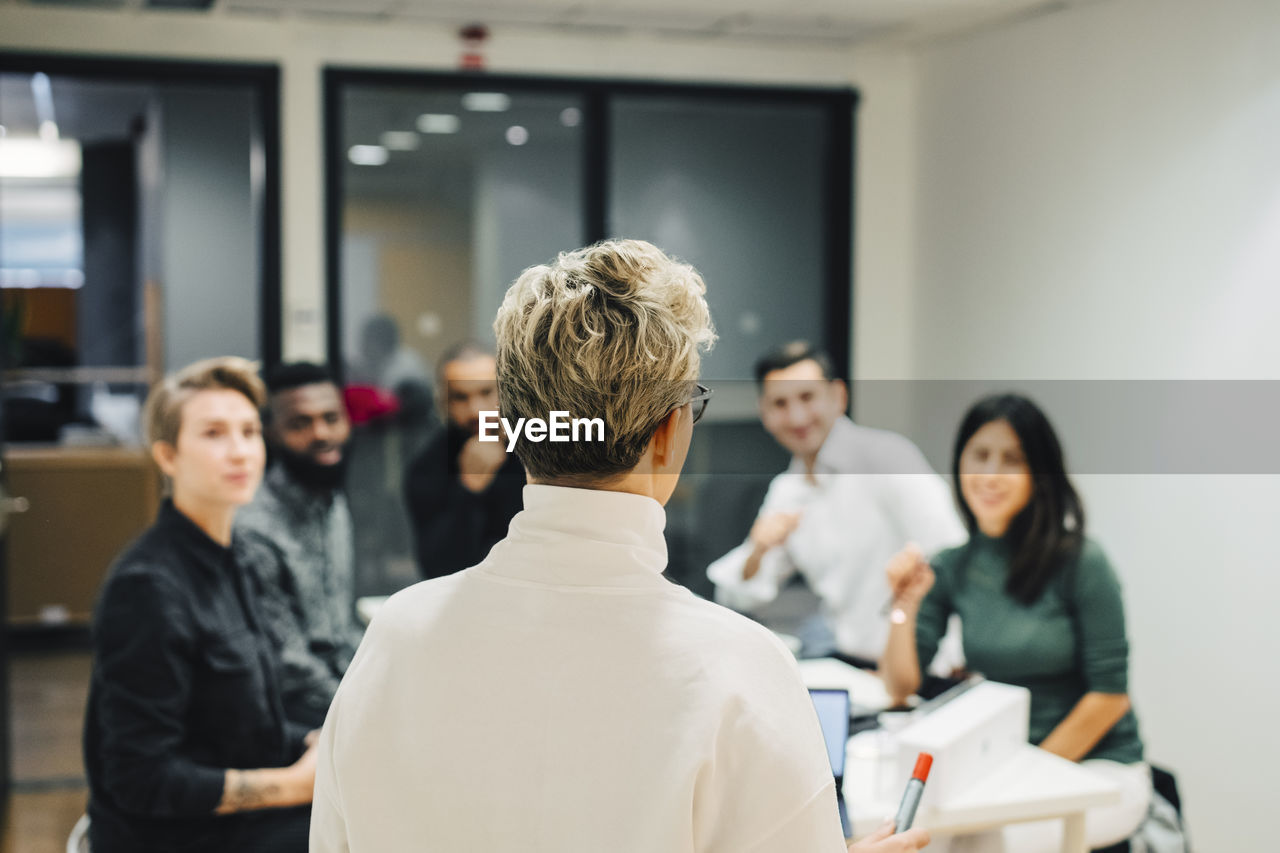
x=78, y=841
x=1164, y=784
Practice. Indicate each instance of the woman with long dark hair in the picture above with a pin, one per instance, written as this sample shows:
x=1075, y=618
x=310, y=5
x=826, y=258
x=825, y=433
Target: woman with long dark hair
x=1039, y=602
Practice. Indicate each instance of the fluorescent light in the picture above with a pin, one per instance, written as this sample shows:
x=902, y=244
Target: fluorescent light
x=486, y=102
x=400, y=140
x=20, y=278
x=571, y=116
x=517, y=135
x=40, y=87
x=38, y=158
x=42, y=94
x=438, y=123
x=28, y=278
x=367, y=155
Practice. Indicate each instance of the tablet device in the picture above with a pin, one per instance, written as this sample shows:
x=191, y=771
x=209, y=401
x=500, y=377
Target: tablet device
x=833, y=715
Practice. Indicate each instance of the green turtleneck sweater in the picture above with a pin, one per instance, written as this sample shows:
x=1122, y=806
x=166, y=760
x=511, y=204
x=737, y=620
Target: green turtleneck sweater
x=1069, y=642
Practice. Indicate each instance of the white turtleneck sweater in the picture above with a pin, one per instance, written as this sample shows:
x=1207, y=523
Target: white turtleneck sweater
x=564, y=697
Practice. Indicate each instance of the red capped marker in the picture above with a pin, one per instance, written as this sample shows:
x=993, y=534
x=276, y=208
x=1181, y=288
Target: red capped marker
x=911, y=796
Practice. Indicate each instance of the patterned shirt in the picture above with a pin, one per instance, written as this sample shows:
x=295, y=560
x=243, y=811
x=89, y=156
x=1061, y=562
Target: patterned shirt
x=305, y=566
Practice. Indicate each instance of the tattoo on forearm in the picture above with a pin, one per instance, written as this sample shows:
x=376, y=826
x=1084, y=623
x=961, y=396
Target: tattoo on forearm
x=247, y=789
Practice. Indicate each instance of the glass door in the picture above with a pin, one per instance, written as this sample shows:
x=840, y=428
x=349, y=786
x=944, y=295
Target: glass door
x=751, y=187
x=137, y=225
x=444, y=187
x=447, y=189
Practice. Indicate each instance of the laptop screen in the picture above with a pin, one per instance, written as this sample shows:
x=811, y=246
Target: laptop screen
x=833, y=714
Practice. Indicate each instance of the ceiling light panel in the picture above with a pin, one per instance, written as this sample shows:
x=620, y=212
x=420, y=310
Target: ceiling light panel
x=99, y=4
x=36, y=158
x=642, y=17
x=486, y=102
x=533, y=13
x=787, y=28
x=363, y=8
x=199, y=5
x=400, y=140
x=438, y=123
x=367, y=155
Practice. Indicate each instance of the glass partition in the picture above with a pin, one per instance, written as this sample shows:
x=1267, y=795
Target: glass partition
x=447, y=193
x=444, y=187
x=136, y=236
x=734, y=188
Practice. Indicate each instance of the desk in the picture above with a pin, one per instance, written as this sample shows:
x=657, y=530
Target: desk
x=87, y=504
x=1031, y=785
x=866, y=690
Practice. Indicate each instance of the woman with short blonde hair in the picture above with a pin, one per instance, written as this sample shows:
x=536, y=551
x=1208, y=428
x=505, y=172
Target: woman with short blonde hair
x=184, y=689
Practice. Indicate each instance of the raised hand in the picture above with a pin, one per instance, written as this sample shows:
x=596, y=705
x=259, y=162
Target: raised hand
x=910, y=577
x=772, y=530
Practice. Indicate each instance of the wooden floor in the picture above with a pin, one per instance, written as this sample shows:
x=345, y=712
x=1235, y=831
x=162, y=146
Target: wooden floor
x=40, y=822
x=48, y=691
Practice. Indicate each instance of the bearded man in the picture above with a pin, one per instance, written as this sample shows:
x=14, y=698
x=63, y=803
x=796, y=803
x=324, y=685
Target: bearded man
x=300, y=525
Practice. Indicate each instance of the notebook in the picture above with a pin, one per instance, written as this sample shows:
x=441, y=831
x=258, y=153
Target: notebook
x=833, y=715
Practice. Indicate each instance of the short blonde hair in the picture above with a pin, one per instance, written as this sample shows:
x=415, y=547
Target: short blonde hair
x=615, y=331
x=162, y=414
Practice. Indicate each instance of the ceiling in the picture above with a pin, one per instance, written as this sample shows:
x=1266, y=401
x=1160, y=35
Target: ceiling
x=816, y=23
x=813, y=21
x=87, y=110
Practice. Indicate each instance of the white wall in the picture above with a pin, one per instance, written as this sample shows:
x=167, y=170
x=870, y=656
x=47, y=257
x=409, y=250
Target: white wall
x=884, y=213
x=1098, y=197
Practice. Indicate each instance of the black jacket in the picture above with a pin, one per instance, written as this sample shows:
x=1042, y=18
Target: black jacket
x=454, y=527
x=184, y=686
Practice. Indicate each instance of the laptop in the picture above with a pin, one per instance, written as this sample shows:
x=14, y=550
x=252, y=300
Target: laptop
x=833, y=715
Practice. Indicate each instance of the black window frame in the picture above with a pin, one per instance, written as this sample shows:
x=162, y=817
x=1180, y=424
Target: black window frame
x=839, y=105
x=264, y=78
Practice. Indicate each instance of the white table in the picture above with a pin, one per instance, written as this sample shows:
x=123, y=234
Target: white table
x=1031, y=785
x=866, y=690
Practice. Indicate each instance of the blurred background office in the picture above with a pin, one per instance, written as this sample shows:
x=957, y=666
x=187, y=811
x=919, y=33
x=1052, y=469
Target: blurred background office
x=921, y=186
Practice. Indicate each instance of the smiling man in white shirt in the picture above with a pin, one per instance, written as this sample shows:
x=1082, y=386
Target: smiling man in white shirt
x=562, y=696
x=852, y=498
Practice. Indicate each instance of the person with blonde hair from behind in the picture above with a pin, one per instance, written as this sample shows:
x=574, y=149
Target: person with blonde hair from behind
x=184, y=692
x=562, y=695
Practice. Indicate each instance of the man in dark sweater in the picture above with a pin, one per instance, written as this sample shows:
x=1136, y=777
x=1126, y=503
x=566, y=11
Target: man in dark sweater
x=461, y=493
x=301, y=525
